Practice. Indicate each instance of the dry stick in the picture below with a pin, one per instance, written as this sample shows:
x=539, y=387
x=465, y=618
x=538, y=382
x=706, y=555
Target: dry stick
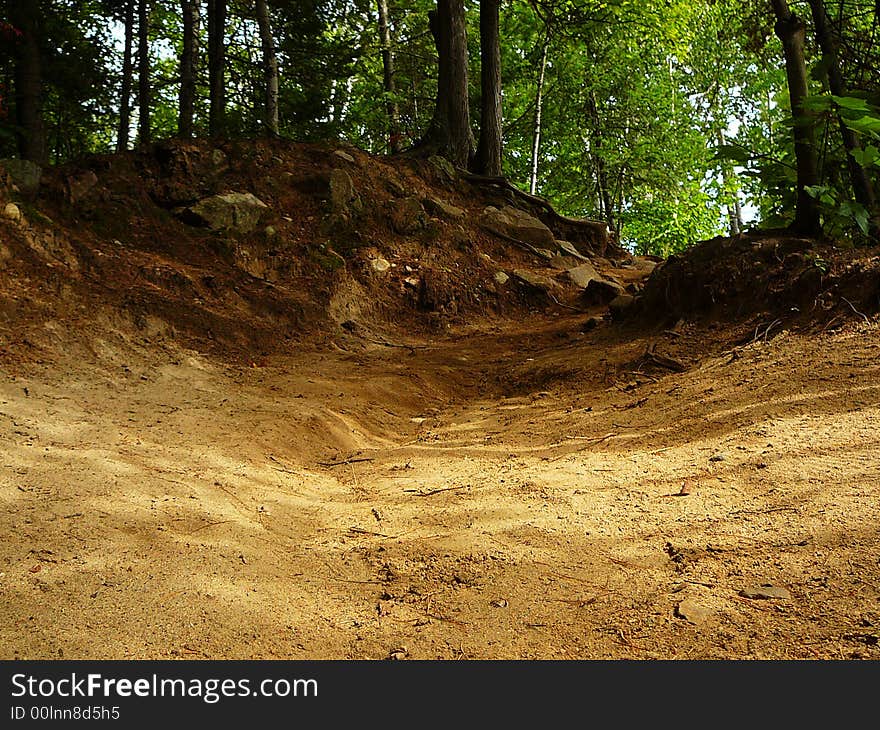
x=861, y=314
x=435, y=491
x=344, y=462
x=206, y=526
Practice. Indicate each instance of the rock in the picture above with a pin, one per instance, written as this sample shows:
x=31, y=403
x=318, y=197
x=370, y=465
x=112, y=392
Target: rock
x=395, y=188
x=765, y=591
x=501, y=278
x=344, y=198
x=563, y=263
x=443, y=169
x=12, y=212
x=80, y=185
x=239, y=212
x=342, y=155
x=407, y=216
x=602, y=291
x=583, y=275
x=270, y=232
x=533, y=280
x=621, y=303
x=25, y=175
x=544, y=253
x=569, y=249
x=693, y=612
x=592, y=323
x=380, y=265
x=519, y=225
x=442, y=208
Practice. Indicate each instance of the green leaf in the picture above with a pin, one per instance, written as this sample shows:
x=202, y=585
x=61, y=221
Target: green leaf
x=852, y=103
x=864, y=125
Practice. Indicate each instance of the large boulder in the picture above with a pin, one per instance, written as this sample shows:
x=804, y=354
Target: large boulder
x=237, y=212
x=25, y=175
x=533, y=280
x=582, y=275
x=519, y=225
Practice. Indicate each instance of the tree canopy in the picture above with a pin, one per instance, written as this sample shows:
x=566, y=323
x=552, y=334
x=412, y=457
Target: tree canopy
x=670, y=120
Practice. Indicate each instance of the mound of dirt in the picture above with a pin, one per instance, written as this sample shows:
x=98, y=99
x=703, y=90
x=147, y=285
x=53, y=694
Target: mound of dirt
x=786, y=277
x=245, y=248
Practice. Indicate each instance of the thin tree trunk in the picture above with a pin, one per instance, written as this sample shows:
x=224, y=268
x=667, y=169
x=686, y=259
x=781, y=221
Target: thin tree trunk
x=124, y=131
x=217, y=65
x=388, y=79
x=450, y=133
x=599, y=163
x=187, y=98
x=863, y=190
x=792, y=33
x=539, y=104
x=270, y=68
x=489, y=149
x=144, y=131
x=31, y=135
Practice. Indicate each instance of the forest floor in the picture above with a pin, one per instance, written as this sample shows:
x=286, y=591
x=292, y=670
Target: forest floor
x=207, y=454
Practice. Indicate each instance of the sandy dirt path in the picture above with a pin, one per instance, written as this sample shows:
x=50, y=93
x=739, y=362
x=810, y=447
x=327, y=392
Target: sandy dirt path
x=525, y=492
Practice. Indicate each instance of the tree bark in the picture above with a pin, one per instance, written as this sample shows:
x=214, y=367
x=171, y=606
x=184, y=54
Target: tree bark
x=388, y=79
x=792, y=32
x=216, y=65
x=123, y=133
x=539, y=104
x=187, y=98
x=270, y=68
x=28, y=75
x=450, y=132
x=144, y=127
x=863, y=190
x=489, y=149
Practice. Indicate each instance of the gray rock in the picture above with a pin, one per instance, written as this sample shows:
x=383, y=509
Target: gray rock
x=442, y=208
x=583, y=275
x=621, y=303
x=344, y=198
x=569, y=250
x=765, y=591
x=344, y=156
x=12, y=212
x=563, y=263
x=602, y=291
x=239, y=212
x=544, y=253
x=693, y=611
x=25, y=175
x=443, y=168
x=517, y=224
x=380, y=265
x=536, y=281
x=501, y=278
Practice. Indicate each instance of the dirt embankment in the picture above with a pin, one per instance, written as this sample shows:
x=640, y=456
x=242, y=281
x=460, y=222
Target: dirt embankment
x=269, y=444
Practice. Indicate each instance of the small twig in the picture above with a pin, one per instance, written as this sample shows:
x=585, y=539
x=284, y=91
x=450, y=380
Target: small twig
x=344, y=462
x=206, y=526
x=361, y=531
x=861, y=314
x=436, y=491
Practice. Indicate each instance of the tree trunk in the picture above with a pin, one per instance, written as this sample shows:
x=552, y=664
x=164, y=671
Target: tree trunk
x=863, y=190
x=388, y=79
x=28, y=74
x=539, y=104
x=144, y=131
x=124, y=131
x=187, y=98
x=217, y=65
x=602, y=183
x=270, y=68
x=792, y=33
x=489, y=148
x=450, y=132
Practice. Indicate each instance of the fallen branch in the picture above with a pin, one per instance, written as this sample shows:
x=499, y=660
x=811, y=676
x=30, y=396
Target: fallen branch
x=436, y=491
x=344, y=462
x=861, y=314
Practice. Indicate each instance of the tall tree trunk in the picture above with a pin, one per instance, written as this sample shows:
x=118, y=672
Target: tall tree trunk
x=792, y=33
x=144, y=130
x=217, y=65
x=488, y=161
x=28, y=74
x=604, y=187
x=270, y=68
x=863, y=190
x=187, y=98
x=539, y=104
x=124, y=131
x=450, y=133
x=388, y=79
